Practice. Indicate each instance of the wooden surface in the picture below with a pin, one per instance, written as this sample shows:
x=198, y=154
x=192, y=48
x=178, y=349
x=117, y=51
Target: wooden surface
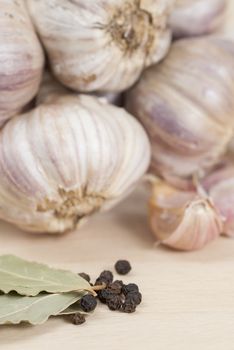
x=188, y=297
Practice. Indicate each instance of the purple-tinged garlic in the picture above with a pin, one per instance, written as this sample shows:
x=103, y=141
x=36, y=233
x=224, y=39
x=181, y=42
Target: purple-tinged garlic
x=197, y=17
x=183, y=220
x=220, y=187
x=102, y=45
x=21, y=59
x=66, y=159
x=186, y=105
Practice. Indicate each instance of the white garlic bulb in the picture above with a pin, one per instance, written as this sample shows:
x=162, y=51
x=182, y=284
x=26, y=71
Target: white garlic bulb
x=183, y=220
x=66, y=159
x=102, y=45
x=186, y=105
x=21, y=59
x=197, y=17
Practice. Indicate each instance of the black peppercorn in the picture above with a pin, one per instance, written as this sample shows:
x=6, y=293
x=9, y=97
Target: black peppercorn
x=105, y=277
x=116, y=287
x=122, y=267
x=77, y=318
x=105, y=294
x=85, y=276
x=128, y=288
x=134, y=297
x=128, y=307
x=88, y=303
x=115, y=303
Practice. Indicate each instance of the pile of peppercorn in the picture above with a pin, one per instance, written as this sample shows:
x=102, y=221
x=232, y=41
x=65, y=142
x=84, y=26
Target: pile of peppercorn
x=115, y=294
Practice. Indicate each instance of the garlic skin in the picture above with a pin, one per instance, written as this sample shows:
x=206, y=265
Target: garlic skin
x=197, y=17
x=67, y=159
x=186, y=106
x=183, y=220
x=102, y=45
x=220, y=186
x=21, y=59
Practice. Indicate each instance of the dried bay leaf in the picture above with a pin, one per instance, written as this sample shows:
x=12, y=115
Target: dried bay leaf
x=73, y=309
x=31, y=278
x=34, y=310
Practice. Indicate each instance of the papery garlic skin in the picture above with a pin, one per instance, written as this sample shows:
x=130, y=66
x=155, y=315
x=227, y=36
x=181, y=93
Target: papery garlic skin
x=220, y=186
x=186, y=106
x=197, y=17
x=183, y=220
x=67, y=159
x=102, y=45
x=21, y=59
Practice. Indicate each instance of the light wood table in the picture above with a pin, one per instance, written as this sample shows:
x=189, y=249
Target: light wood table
x=188, y=297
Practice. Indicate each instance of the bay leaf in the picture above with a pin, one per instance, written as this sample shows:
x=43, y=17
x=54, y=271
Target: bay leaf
x=73, y=309
x=31, y=278
x=34, y=310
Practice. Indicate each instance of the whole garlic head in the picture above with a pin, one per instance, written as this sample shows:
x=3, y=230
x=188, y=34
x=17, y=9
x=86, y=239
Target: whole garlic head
x=196, y=17
x=186, y=105
x=183, y=220
x=102, y=45
x=21, y=59
x=67, y=159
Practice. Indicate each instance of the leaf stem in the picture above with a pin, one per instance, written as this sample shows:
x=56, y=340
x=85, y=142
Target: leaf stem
x=99, y=287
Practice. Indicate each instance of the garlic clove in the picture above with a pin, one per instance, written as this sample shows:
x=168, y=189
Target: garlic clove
x=183, y=220
x=67, y=159
x=102, y=45
x=185, y=104
x=192, y=18
x=220, y=186
x=21, y=59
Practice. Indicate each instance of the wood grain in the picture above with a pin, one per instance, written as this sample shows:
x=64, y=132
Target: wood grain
x=188, y=297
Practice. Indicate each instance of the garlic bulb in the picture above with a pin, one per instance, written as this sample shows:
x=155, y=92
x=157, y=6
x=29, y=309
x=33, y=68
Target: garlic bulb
x=66, y=159
x=197, y=17
x=186, y=105
x=21, y=59
x=183, y=220
x=220, y=186
x=102, y=45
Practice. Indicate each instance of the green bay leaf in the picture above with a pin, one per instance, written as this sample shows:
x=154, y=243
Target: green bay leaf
x=31, y=278
x=73, y=309
x=34, y=310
